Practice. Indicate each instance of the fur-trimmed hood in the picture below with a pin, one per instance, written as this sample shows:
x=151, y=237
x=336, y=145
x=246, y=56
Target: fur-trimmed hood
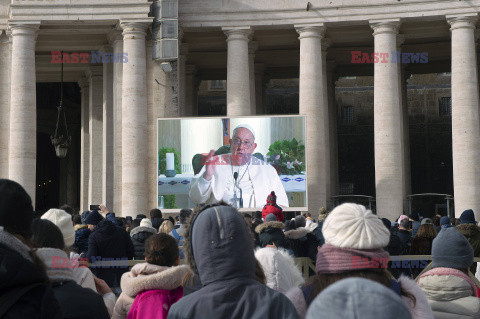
x=274, y=224
x=279, y=267
x=140, y=229
x=296, y=233
x=147, y=276
x=468, y=230
x=310, y=227
x=79, y=226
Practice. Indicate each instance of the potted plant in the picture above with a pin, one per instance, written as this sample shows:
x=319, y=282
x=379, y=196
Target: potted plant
x=169, y=200
x=287, y=156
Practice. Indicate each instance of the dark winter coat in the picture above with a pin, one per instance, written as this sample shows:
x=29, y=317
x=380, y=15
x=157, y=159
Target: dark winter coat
x=271, y=232
x=297, y=241
x=75, y=301
x=225, y=261
x=23, y=284
x=81, y=239
x=314, y=239
x=110, y=242
x=420, y=246
x=405, y=239
x=139, y=236
x=472, y=233
x=157, y=222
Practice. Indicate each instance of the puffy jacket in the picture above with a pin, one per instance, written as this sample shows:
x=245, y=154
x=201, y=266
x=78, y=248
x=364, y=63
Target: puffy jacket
x=273, y=209
x=22, y=284
x=222, y=254
x=297, y=241
x=314, y=239
x=139, y=236
x=109, y=242
x=472, y=233
x=163, y=283
x=271, y=232
x=450, y=293
x=81, y=239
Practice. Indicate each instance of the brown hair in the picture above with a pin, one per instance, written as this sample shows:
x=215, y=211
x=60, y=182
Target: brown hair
x=321, y=281
x=161, y=249
x=426, y=231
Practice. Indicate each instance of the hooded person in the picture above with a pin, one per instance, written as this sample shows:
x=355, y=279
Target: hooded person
x=468, y=228
x=296, y=238
x=271, y=232
x=272, y=208
x=156, y=217
x=60, y=270
x=139, y=235
x=220, y=250
x=354, y=298
x=354, y=241
x=450, y=291
x=24, y=287
x=279, y=267
x=81, y=236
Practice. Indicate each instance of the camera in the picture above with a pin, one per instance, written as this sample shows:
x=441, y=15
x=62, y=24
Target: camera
x=94, y=207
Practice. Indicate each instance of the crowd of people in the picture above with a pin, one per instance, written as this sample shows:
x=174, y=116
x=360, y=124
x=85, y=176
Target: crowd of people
x=214, y=262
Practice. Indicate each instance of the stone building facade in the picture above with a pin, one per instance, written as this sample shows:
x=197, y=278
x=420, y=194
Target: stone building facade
x=245, y=43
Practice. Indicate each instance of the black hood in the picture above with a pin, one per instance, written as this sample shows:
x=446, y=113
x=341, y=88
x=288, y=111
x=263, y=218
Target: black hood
x=221, y=245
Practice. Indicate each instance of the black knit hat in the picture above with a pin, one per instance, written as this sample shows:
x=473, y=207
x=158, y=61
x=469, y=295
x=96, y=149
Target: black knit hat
x=16, y=210
x=94, y=218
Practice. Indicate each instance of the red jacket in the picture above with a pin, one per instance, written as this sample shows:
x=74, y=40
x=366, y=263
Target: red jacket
x=273, y=209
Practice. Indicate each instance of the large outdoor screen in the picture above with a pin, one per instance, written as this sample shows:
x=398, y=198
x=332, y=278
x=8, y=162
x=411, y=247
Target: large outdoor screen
x=237, y=160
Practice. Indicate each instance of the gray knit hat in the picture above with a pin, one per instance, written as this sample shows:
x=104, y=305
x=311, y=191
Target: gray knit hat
x=270, y=218
x=450, y=249
x=300, y=221
x=358, y=298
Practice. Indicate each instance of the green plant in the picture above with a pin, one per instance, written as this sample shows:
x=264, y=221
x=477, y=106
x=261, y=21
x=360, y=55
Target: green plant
x=287, y=156
x=170, y=201
x=162, y=161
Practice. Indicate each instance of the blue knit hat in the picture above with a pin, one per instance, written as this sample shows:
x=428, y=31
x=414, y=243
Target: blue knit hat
x=270, y=218
x=445, y=220
x=450, y=249
x=467, y=217
x=93, y=218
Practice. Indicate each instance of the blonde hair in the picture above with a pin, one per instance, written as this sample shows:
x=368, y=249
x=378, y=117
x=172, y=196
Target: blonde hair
x=166, y=227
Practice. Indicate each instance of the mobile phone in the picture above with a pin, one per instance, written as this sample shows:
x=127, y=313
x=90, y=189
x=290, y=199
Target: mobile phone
x=94, y=207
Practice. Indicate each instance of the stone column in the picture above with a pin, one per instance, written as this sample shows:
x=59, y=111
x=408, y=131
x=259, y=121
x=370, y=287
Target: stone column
x=22, y=153
x=238, y=74
x=116, y=40
x=152, y=174
x=95, y=127
x=5, y=62
x=182, y=85
x=312, y=104
x=134, y=121
x=259, y=88
x=465, y=116
x=404, y=76
x=252, y=48
x=326, y=123
x=332, y=122
x=108, y=135
x=191, y=90
x=84, y=144
x=389, y=171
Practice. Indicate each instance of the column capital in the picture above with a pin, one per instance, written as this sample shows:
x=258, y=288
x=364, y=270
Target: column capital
x=311, y=31
x=134, y=30
x=385, y=26
x=237, y=33
x=23, y=29
x=457, y=22
x=114, y=36
x=6, y=38
x=83, y=83
x=94, y=72
x=326, y=44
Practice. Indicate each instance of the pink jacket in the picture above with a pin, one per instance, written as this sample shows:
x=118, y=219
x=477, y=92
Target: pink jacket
x=154, y=304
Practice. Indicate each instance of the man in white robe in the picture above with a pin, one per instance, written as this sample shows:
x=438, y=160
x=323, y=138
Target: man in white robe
x=256, y=179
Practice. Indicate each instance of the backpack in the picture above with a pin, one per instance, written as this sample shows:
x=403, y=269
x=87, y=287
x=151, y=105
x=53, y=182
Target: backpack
x=179, y=242
x=154, y=304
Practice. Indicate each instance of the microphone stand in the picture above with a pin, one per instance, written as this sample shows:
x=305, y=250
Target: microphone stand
x=235, y=185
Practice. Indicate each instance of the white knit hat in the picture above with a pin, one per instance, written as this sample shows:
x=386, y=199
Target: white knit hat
x=353, y=226
x=146, y=223
x=63, y=220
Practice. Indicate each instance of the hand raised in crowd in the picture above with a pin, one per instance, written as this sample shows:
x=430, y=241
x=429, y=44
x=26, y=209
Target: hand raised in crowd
x=210, y=163
x=101, y=286
x=103, y=209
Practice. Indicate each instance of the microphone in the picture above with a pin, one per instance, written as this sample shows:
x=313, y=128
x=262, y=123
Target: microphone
x=235, y=176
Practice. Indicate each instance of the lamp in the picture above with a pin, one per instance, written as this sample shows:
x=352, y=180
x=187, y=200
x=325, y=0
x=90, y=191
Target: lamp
x=61, y=140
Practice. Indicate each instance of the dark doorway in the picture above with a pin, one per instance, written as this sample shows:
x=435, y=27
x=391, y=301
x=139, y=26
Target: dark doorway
x=48, y=174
